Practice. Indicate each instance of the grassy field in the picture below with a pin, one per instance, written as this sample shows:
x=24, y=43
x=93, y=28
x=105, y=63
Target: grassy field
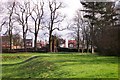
x=58, y=65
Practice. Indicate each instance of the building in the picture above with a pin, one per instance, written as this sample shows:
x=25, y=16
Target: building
x=41, y=44
x=72, y=44
x=62, y=43
x=29, y=43
x=5, y=42
x=16, y=42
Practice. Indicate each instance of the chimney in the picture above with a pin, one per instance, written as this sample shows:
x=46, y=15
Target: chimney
x=66, y=43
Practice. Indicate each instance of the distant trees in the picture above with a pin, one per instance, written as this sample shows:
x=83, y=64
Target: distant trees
x=76, y=27
x=97, y=27
x=90, y=13
x=24, y=13
x=81, y=31
x=79, y=23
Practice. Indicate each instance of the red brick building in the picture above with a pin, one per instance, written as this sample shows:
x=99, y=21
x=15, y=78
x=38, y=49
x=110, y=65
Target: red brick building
x=41, y=44
x=5, y=42
x=29, y=43
x=72, y=43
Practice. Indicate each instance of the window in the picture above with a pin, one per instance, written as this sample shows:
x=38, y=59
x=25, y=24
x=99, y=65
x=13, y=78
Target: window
x=71, y=45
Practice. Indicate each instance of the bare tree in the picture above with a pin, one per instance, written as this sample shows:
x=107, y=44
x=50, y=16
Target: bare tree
x=3, y=20
x=37, y=17
x=10, y=7
x=55, y=18
x=80, y=32
x=2, y=24
x=86, y=34
x=79, y=23
x=23, y=15
x=77, y=32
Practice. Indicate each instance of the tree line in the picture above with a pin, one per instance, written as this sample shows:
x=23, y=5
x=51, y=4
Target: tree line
x=98, y=27
x=95, y=26
x=19, y=15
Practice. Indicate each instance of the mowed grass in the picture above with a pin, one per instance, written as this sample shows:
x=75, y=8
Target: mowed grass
x=58, y=65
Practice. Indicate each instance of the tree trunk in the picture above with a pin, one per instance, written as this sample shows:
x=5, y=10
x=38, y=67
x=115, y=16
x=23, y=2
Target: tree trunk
x=92, y=31
x=118, y=42
x=78, y=41
x=24, y=41
x=92, y=39
x=35, y=42
x=92, y=49
x=10, y=37
x=87, y=47
x=78, y=48
x=50, y=42
x=10, y=33
x=92, y=46
x=55, y=44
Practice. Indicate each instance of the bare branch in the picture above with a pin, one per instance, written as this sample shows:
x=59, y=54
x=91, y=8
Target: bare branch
x=2, y=25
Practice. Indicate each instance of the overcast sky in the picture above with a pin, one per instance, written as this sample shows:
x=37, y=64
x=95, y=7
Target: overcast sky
x=71, y=6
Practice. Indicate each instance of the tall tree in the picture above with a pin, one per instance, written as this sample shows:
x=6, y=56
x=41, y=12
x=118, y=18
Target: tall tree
x=37, y=16
x=76, y=28
x=102, y=26
x=90, y=10
x=117, y=10
x=23, y=12
x=81, y=31
x=55, y=18
x=10, y=7
x=79, y=23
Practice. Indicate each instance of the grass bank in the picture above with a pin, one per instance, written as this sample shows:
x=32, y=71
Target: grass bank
x=58, y=65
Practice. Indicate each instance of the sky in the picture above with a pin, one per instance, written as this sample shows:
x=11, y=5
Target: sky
x=71, y=6
x=70, y=10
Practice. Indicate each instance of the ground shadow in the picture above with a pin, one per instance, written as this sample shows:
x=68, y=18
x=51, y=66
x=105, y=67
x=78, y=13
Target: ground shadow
x=22, y=61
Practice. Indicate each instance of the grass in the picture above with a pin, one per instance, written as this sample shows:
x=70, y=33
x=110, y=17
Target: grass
x=58, y=65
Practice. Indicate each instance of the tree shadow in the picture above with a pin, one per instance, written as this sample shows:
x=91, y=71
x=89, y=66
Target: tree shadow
x=22, y=61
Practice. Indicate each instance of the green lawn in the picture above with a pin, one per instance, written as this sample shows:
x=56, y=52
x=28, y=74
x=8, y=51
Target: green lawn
x=58, y=65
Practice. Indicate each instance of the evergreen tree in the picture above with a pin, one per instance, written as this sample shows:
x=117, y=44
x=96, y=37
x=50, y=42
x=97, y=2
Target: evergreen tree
x=102, y=20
